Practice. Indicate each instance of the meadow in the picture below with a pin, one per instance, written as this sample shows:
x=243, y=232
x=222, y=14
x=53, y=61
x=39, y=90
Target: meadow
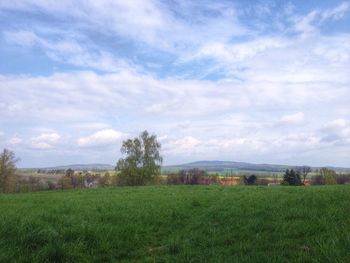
x=177, y=224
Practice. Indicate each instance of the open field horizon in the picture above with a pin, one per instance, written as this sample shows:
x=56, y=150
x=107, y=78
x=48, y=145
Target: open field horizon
x=174, y=131
x=208, y=165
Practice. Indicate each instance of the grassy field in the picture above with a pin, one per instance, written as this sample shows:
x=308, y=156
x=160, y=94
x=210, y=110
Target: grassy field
x=177, y=224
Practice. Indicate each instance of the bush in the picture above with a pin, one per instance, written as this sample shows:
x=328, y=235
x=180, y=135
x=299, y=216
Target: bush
x=193, y=176
x=173, y=179
x=292, y=177
x=244, y=180
x=24, y=187
x=117, y=180
x=66, y=182
x=51, y=185
x=343, y=178
x=325, y=176
x=262, y=181
x=330, y=179
x=317, y=180
x=104, y=180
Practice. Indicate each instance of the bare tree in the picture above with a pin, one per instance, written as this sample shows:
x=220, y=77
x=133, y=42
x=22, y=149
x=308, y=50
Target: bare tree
x=304, y=171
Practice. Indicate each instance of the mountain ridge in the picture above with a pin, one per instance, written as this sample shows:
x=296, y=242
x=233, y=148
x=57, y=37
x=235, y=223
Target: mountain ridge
x=209, y=165
x=216, y=165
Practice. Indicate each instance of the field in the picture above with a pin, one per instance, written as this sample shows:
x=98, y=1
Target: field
x=177, y=224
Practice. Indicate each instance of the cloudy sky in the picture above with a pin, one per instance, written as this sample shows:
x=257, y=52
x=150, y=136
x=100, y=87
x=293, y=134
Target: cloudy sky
x=256, y=81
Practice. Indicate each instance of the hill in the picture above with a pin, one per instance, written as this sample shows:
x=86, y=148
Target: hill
x=219, y=166
x=214, y=166
x=177, y=224
x=77, y=167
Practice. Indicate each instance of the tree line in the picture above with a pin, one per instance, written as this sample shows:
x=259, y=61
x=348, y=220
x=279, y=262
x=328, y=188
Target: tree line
x=141, y=165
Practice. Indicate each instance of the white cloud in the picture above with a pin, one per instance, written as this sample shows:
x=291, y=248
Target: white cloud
x=186, y=143
x=15, y=140
x=292, y=118
x=310, y=23
x=216, y=88
x=52, y=137
x=157, y=25
x=44, y=141
x=234, y=53
x=40, y=145
x=91, y=126
x=69, y=51
x=101, y=138
x=337, y=131
x=336, y=13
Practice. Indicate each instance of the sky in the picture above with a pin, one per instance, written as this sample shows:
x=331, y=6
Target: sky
x=255, y=81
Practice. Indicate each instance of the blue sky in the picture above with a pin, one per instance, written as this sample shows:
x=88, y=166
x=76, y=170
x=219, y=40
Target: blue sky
x=255, y=81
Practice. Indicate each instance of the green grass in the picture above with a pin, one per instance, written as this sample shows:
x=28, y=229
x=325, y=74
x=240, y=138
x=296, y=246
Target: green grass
x=177, y=224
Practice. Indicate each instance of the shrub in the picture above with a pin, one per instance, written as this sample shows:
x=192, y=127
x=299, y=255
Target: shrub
x=24, y=187
x=65, y=182
x=192, y=176
x=104, y=180
x=292, y=177
x=173, y=179
x=248, y=180
x=317, y=180
x=51, y=185
x=343, y=178
x=77, y=180
x=330, y=179
x=117, y=180
x=214, y=178
x=325, y=176
x=242, y=180
x=262, y=181
x=8, y=178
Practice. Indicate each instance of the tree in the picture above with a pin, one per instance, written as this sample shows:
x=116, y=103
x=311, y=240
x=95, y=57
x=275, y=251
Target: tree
x=304, y=171
x=249, y=180
x=192, y=176
x=104, y=180
x=143, y=161
x=328, y=175
x=292, y=177
x=69, y=172
x=8, y=162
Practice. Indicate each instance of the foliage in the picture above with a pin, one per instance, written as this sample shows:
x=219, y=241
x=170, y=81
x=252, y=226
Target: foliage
x=304, y=171
x=328, y=175
x=330, y=179
x=292, y=177
x=66, y=182
x=70, y=172
x=177, y=224
x=105, y=180
x=143, y=160
x=251, y=180
x=8, y=162
x=191, y=176
x=317, y=180
x=343, y=178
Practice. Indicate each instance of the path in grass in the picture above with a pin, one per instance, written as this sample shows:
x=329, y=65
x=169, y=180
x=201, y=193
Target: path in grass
x=177, y=224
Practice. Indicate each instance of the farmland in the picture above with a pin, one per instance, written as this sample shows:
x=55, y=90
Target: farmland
x=177, y=224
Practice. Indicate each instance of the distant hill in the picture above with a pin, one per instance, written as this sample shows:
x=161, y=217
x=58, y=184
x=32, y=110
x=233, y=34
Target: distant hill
x=78, y=167
x=219, y=166
x=213, y=166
